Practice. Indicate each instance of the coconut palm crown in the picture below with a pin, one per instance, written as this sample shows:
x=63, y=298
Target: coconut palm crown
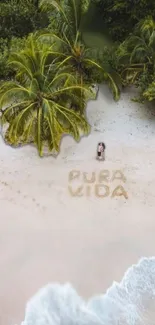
x=37, y=105
x=87, y=64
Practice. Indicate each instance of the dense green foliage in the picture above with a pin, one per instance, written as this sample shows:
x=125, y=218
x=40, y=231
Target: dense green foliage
x=52, y=80
x=15, y=44
x=121, y=16
x=18, y=18
x=53, y=51
x=136, y=58
x=131, y=24
x=88, y=64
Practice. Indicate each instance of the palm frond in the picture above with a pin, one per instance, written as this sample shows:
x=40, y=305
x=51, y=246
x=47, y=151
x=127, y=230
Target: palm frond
x=46, y=100
x=131, y=73
x=149, y=93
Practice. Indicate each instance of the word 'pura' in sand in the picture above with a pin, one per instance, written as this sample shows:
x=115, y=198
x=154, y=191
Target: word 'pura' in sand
x=95, y=181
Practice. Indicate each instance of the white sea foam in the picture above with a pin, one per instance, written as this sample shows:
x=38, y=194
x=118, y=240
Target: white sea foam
x=130, y=302
x=58, y=304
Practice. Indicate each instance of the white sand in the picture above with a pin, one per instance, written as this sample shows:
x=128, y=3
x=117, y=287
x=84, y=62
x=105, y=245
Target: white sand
x=46, y=235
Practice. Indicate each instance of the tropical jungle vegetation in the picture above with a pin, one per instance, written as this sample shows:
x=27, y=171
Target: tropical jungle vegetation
x=50, y=60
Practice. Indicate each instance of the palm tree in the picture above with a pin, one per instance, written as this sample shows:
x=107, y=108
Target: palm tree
x=66, y=33
x=37, y=104
x=137, y=53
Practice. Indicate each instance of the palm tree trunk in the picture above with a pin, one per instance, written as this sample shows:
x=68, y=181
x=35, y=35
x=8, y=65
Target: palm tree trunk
x=81, y=82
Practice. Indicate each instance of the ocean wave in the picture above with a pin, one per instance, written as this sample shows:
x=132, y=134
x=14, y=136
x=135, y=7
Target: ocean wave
x=130, y=302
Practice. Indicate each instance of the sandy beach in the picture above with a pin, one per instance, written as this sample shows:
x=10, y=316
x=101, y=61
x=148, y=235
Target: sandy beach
x=46, y=235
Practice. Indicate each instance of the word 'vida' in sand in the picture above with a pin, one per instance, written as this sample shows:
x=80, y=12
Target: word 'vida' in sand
x=96, y=186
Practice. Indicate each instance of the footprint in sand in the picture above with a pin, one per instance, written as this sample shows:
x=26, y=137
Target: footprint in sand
x=4, y=183
x=27, y=197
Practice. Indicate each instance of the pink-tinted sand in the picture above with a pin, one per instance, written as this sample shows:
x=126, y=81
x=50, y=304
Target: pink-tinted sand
x=46, y=235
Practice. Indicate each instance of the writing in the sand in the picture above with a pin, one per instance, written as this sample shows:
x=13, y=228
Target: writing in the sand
x=97, y=184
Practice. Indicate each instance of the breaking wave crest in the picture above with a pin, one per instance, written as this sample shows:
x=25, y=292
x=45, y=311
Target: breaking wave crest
x=130, y=302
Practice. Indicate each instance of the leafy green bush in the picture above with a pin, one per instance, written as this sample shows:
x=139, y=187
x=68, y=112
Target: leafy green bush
x=121, y=16
x=6, y=48
x=4, y=52
x=19, y=18
x=137, y=58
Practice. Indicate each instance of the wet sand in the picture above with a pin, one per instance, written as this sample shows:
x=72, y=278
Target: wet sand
x=46, y=235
